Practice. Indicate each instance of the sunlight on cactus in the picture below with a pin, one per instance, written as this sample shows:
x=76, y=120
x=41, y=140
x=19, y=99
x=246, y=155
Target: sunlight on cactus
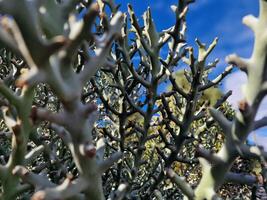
x=85, y=114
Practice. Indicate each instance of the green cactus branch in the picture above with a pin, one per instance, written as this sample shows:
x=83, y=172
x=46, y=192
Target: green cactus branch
x=9, y=95
x=51, y=71
x=214, y=173
x=186, y=189
x=84, y=116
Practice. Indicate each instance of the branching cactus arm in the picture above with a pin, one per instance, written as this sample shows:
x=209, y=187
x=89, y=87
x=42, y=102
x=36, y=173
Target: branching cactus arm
x=49, y=49
x=178, y=127
x=215, y=171
x=158, y=132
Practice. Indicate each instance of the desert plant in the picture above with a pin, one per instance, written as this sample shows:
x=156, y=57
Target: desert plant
x=41, y=33
x=84, y=115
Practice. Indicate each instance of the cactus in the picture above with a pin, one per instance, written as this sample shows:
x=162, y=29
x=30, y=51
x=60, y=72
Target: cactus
x=236, y=131
x=47, y=35
x=81, y=98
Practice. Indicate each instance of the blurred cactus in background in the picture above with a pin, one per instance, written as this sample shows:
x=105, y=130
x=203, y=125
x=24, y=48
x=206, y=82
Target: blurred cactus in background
x=84, y=115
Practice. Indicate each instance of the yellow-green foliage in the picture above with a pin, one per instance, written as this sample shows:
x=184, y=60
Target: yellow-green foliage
x=210, y=96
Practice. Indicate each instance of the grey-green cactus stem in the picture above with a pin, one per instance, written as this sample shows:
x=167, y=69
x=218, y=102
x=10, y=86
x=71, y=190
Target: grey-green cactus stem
x=21, y=130
x=152, y=50
x=48, y=36
x=50, y=65
x=214, y=173
x=255, y=65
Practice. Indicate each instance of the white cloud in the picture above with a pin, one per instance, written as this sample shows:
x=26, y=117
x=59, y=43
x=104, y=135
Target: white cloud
x=234, y=82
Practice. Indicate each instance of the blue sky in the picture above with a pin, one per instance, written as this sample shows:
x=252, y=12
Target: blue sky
x=206, y=20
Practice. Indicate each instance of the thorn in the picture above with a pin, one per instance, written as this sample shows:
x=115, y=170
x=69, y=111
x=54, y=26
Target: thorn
x=33, y=114
x=88, y=150
x=70, y=177
x=18, y=170
x=16, y=129
x=244, y=107
x=56, y=43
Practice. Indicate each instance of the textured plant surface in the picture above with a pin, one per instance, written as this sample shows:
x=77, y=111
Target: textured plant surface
x=84, y=115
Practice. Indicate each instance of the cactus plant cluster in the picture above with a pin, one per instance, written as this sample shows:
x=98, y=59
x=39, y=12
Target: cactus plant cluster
x=83, y=115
